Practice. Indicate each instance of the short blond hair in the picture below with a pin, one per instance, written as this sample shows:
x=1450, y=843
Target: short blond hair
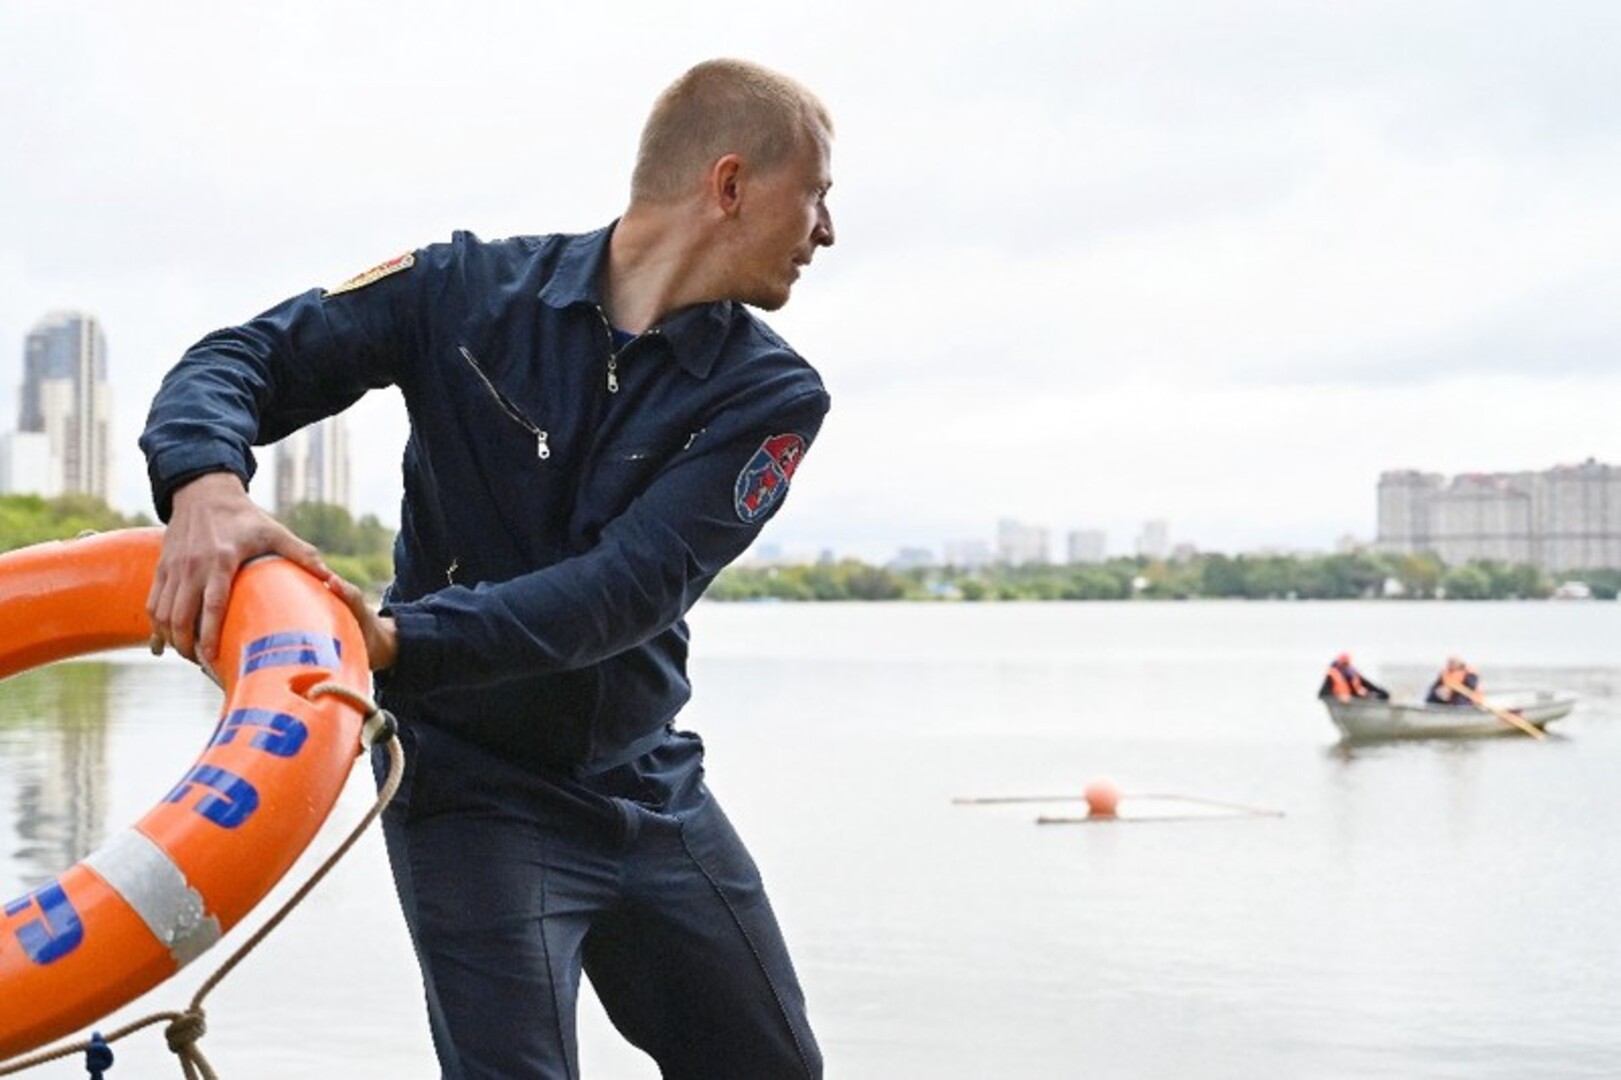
x=723, y=107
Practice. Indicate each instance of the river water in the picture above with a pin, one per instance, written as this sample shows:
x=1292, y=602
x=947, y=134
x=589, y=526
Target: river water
x=1430, y=909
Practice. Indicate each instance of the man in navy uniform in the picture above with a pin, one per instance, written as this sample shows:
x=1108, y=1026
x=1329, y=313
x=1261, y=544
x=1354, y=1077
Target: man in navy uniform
x=598, y=426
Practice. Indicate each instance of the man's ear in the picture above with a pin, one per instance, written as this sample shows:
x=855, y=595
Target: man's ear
x=726, y=184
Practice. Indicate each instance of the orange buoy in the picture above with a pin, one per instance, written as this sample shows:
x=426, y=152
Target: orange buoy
x=1102, y=798
x=153, y=898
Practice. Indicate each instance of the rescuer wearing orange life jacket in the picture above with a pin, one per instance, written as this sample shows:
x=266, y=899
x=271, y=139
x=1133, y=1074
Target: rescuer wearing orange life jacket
x=1344, y=682
x=1458, y=684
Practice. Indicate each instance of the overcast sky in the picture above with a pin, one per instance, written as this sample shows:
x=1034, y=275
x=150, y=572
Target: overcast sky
x=1210, y=261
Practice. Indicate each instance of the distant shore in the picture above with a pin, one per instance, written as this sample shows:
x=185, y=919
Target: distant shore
x=361, y=551
x=1359, y=575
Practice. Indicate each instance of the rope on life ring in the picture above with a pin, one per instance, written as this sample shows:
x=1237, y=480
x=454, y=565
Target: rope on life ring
x=156, y=896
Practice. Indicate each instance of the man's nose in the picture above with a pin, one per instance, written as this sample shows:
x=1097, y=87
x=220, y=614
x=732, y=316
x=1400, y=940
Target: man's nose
x=822, y=235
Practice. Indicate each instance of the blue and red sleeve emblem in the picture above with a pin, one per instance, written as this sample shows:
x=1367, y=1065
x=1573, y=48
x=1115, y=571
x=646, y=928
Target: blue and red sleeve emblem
x=764, y=480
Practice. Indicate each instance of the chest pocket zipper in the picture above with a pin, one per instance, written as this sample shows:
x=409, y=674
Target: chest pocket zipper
x=643, y=451
x=542, y=451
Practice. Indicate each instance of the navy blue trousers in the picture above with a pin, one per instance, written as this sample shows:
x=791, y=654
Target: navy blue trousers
x=512, y=883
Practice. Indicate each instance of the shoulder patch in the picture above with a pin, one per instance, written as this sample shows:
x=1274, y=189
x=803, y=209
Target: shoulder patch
x=764, y=480
x=376, y=273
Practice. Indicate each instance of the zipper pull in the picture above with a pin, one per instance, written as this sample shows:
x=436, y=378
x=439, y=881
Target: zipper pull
x=613, y=373
x=542, y=451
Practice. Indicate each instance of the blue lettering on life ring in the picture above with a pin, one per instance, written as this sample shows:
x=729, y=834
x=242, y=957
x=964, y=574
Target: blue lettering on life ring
x=56, y=932
x=291, y=648
x=231, y=799
x=273, y=732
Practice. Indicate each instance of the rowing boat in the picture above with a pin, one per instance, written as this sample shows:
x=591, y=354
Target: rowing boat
x=1374, y=718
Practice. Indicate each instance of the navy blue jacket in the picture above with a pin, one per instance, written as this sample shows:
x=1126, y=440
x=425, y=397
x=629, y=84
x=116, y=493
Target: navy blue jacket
x=565, y=502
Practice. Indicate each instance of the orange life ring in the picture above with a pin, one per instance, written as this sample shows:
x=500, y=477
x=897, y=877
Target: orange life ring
x=141, y=906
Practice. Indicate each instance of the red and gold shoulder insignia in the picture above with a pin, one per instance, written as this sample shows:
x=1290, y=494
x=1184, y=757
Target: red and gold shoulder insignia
x=376, y=273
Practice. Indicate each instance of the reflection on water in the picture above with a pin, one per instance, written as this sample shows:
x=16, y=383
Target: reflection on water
x=53, y=767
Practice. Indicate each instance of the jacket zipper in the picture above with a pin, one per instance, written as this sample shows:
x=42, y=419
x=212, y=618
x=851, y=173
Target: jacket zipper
x=542, y=451
x=613, y=354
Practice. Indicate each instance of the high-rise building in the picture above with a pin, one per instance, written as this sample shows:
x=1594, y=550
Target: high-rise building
x=1405, y=499
x=1154, y=542
x=65, y=397
x=312, y=465
x=1087, y=545
x=1018, y=544
x=1564, y=518
x=1580, y=517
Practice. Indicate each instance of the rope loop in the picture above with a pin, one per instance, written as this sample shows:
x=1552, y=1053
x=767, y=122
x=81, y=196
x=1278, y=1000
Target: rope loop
x=379, y=725
x=185, y=1029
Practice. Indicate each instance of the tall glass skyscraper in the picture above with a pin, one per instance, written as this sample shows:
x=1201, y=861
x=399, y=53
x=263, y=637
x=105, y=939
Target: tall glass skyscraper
x=66, y=398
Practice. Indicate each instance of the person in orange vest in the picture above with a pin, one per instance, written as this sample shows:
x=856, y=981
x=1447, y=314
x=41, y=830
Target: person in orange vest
x=1344, y=682
x=1458, y=684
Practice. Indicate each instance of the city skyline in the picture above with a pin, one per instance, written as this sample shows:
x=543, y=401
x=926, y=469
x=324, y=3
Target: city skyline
x=1218, y=263
x=59, y=444
x=1567, y=517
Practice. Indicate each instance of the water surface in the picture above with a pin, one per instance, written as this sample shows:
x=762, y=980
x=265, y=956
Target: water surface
x=1430, y=909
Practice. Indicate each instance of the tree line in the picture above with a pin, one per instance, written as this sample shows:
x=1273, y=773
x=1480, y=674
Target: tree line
x=362, y=551
x=32, y=519
x=1358, y=575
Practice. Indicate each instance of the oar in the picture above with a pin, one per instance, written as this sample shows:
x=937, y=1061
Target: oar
x=1502, y=713
x=992, y=800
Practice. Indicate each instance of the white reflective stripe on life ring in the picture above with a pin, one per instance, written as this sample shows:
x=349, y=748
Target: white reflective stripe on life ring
x=149, y=881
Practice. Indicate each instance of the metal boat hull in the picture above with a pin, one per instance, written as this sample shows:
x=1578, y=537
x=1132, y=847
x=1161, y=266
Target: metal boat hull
x=1370, y=718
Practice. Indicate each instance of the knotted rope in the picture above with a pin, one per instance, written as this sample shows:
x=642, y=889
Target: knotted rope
x=187, y=1027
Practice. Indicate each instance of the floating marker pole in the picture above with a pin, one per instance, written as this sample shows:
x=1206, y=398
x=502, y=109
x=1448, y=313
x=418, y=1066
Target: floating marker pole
x=994, y=800
x=1088, y=819
x=1102, y=798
